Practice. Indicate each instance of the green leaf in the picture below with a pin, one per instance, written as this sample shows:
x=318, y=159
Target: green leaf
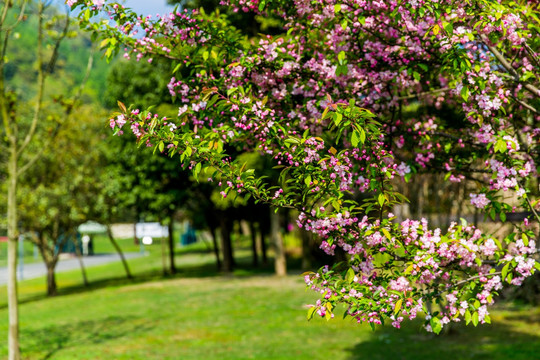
x=104, y=43
x=409, y=269
x=197, y=169
x=328, y=314
x=337, y=8
x=500, y=146
x=341, y=57
x=468, y=317
x=465, y=93
x=262, y=5
x=325, y=112
x=449, y=27
x=161, y=146
x=504, y=271
x=338, y=117
x=362, y=136
x=349, y=277
x=355, y=138
x=342, y=70
x=509, y=278
x=177, y=67
x=310, y=312
x=436, y=325
x=475, y=318
x=398, y=306
x=478, y=261
x=381, y=199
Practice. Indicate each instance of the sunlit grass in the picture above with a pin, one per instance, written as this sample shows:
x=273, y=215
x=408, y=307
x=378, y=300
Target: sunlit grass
x=251, y=315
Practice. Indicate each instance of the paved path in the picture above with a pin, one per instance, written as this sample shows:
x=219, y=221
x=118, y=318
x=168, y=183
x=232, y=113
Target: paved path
x=35, y=270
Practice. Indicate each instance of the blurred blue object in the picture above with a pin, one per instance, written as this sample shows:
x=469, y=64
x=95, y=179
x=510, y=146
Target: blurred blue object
x=189, y=237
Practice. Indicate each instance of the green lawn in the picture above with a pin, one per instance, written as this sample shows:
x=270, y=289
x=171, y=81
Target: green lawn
x=202, y=315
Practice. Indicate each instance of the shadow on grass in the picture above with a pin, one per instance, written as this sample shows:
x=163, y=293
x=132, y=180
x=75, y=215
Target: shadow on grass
x=51, y=339
x=500, y=340
x=243, y=269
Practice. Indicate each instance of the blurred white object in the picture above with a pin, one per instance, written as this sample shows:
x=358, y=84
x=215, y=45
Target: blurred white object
x=147, y=240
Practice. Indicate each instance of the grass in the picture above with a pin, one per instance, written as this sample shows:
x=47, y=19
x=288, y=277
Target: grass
x=202, y=315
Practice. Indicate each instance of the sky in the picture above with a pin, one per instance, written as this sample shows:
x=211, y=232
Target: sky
x=149, y=7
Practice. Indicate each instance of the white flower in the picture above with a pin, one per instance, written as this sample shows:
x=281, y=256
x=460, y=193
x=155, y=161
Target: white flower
x=182, y=110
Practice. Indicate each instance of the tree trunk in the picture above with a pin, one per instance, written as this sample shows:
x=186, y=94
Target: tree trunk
x=81, y=264
x=226, y=246
x=16, y=147
x=216, y=247
x=261, y=239
x=253, y=232
x=164, y=255
x=171, y=245
x=13, y=306
x=119, y=251
x=136, y=240
x=307, y=259
x=280, y=261
x=51, y=279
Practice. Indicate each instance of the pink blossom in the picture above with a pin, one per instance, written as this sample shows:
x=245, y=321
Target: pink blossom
x=479, y=200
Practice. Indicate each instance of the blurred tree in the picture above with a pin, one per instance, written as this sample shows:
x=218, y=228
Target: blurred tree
x=157, y=185
x=250, y=24
x=22, y=95
x=55, y=196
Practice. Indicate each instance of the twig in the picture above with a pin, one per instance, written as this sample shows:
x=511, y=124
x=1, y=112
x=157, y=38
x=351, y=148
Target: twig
x=504, y=62
x=413, y=96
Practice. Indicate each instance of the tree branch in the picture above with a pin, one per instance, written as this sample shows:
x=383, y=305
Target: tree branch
x=525, y=105
x=431, y=92
x=68, y=112
x=42, y=74
x=504, y=62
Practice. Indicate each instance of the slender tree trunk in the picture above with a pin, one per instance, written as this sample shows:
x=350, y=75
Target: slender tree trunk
x=216, y=247
x=226, y=246
x=81, y=264
x=277, y=242
x=50, y=258
x=136, y=240
x=119, y=251
x=171, y=244
x=52, y=289
x=164, y=255
x=253, y=232
x=13, y=306
x=307, y=260
x=11, y=132
x=261, y=238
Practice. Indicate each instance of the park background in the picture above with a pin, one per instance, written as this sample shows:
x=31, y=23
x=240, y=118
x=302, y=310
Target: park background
x=178, y=301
